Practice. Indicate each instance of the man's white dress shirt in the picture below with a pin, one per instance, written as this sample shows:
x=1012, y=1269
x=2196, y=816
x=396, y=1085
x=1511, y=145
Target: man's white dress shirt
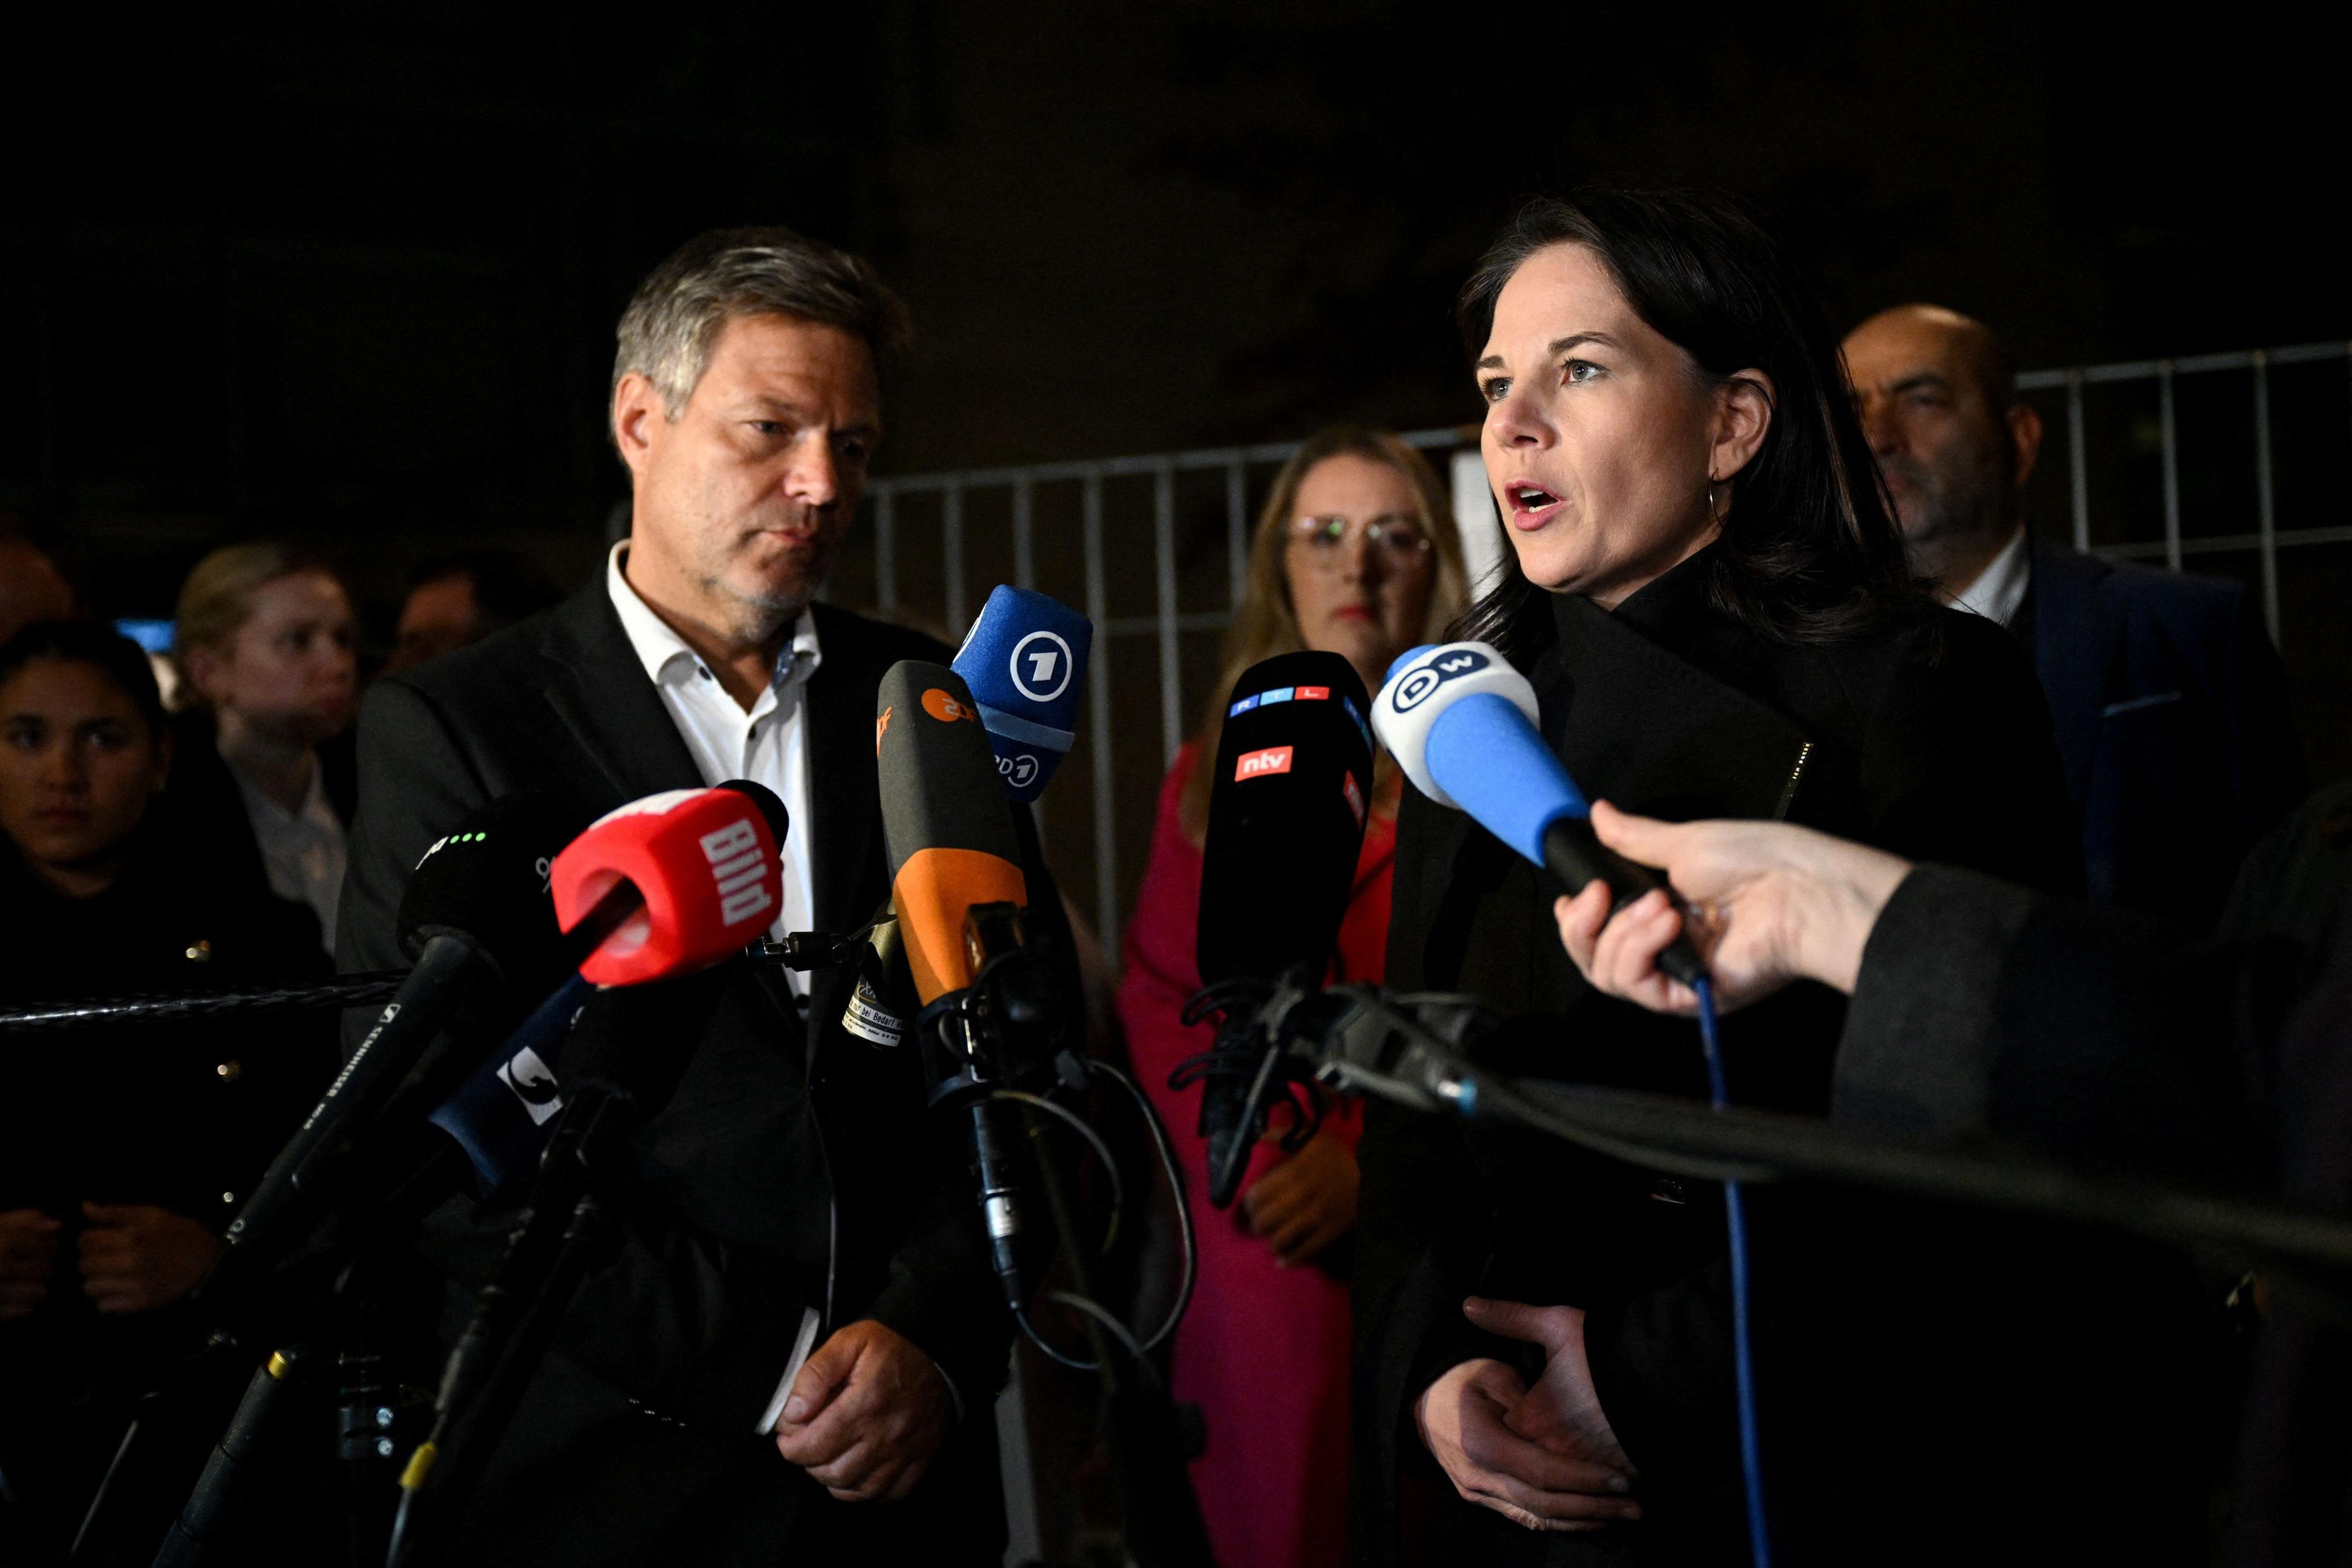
x=302, y=851
x=767, y=745
x=2000, y=587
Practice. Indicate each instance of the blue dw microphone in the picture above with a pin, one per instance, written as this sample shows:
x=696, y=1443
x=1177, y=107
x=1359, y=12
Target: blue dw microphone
x=1025, y=661
x=1461, y=724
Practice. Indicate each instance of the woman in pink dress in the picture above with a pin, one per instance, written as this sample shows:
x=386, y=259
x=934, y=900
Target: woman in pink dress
x=1356, y=554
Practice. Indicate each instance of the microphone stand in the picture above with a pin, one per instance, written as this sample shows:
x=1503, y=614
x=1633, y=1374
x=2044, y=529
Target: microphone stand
x=371, y=1413
x=1412, y=1051
x=571, y=1227
x=1004, y=1019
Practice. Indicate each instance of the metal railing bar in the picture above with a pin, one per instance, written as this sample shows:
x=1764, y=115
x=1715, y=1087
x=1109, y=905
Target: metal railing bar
x=2265, y=516
x=1236, y=534
x=2077, y=462
x=1141, y=464
x=951, y=558
x=886, y=551
x=2186, y=364
x=1024, y=534
x=1098, y=742
x=1172, y=667
x=1024, y=575
x=2171, y=471
x=2225, y=543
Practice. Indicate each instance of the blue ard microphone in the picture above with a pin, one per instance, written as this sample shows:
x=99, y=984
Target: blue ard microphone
x=1461, y=724
x=1025, y=661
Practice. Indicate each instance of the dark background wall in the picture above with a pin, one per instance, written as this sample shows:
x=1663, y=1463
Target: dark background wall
x=350, y=272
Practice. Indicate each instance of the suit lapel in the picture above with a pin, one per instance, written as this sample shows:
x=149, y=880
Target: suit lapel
x=2074, y=633
x=843, y=788
x=599, y=689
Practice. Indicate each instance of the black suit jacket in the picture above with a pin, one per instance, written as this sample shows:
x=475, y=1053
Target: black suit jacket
x=2170, y=709
x=795, y=1167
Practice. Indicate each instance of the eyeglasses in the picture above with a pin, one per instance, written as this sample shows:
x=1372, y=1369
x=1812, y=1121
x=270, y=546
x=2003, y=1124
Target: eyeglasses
x=1394, y=537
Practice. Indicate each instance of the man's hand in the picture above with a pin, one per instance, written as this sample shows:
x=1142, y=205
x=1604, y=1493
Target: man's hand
x=1307, y=1202
x=866, y=1414
x=136, y=1257
x=1772, y=902
x=1562, y=1411
x=1462, y=1418
x=29, y=1251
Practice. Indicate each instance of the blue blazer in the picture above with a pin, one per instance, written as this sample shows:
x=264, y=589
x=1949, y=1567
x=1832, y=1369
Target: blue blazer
x=2170, y=709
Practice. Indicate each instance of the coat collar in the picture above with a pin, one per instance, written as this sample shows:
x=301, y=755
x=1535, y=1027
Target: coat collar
x=1631, y=705
x=599, y=689
x=2074, y=625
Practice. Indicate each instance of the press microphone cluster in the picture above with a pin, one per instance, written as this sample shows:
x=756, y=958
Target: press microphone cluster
x=707, y=877
x=990, y=1026
x=512, y=903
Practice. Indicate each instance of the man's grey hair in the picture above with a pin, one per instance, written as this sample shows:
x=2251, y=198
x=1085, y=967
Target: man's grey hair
x=675, y=318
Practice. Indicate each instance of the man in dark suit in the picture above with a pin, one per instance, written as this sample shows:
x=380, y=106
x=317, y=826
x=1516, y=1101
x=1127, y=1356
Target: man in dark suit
x=2168, y=701
x=793, y=1185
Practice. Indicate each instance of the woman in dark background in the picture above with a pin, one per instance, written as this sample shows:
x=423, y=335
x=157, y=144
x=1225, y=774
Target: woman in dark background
x=266, y=639
x=1706, y=589
x=1356, y=554
x=122, y=1154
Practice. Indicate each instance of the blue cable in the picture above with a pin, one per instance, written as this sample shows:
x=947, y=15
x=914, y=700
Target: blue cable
x=1734, y=1213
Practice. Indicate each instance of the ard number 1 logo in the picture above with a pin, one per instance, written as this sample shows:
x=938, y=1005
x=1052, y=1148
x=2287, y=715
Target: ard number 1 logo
x=1041, y=666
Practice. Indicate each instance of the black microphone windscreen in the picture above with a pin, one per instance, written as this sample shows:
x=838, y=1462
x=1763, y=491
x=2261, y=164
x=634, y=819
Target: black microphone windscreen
x=778, y=819
x=487, y=878
x=1286, y=812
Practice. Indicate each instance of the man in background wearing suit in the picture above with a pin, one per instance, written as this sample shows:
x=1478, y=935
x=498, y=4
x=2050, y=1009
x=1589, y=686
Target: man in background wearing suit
x=792, y=1182
x=2168, y=701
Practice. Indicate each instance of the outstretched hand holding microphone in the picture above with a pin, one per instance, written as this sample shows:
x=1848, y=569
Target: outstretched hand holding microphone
x=1770, y=903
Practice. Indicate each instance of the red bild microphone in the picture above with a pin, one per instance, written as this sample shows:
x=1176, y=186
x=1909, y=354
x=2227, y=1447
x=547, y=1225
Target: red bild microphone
x=704, y=861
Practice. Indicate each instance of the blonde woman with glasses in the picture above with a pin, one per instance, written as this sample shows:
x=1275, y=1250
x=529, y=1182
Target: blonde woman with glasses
x=1356, y=554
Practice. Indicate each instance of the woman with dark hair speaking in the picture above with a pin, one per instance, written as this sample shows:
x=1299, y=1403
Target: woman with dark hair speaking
x=1707, y=590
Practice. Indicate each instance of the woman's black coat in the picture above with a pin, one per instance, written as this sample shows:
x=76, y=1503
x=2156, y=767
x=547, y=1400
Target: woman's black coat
x=183, y=1115
x=1931, y=740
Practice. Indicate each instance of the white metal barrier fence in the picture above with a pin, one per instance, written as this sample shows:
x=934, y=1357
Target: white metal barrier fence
x=1228, y=474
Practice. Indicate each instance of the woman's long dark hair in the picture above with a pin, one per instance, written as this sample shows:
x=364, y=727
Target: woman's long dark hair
x=1811, y=553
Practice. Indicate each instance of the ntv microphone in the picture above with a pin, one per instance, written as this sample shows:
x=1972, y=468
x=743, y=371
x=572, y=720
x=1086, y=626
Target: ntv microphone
x=1287, y=810
x=697, y=872
x=947, y=831
x=1461, y=724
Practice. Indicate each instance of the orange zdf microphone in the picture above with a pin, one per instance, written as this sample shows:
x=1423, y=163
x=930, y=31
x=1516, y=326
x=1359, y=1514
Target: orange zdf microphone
x=945, y=823
x=948, y=830
x=704, y=865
